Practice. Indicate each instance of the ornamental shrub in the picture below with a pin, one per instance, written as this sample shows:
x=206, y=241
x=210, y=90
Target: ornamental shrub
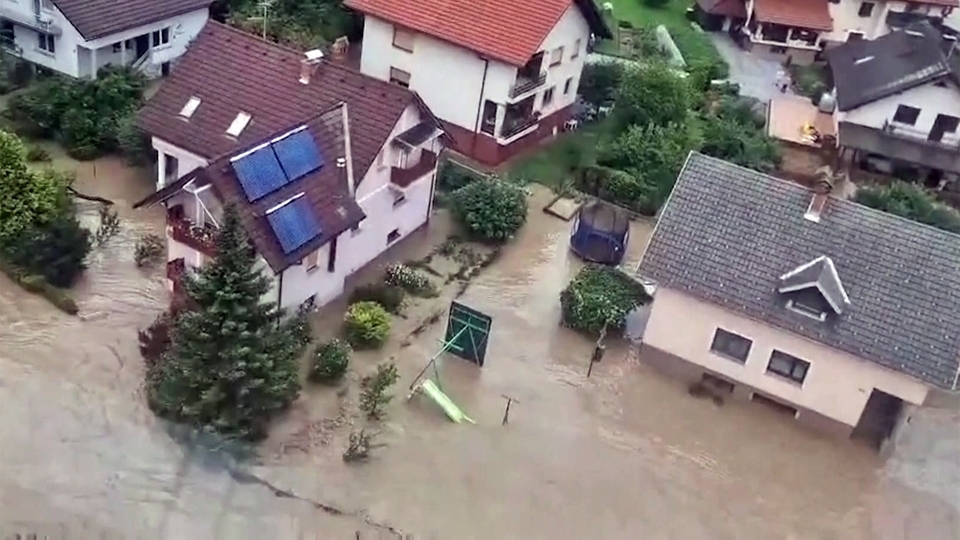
x=389, y=296
x=330, y=362
x=410, y=280
x=366, y=325
x=490, y=210
x=600, y=296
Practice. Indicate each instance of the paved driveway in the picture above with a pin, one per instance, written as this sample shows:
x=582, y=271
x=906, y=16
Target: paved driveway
x=757, y=75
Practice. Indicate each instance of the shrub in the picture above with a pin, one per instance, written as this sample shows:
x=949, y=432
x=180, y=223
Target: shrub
x=367, y=325
x=56, y=251
x=330, y=362
x=652, y=93
x=388, y=296
x=492, y=210
x=37, y=154
x=911, y=202
x=598, y=297
x=149, y=249
x=599, y=82
x=409, y=280
x=36, y=284
x=453, y=176
x=155, y=339
x=375, y=395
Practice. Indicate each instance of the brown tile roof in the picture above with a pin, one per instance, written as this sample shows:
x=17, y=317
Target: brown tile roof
x=507, y=30
x=947, y=3
x=325, y=190
x=812, y=14
x=98, y=18
x=725, y=8
x=231, y=71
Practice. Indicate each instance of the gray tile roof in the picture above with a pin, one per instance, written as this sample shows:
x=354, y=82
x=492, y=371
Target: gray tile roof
x=727, y=234
x=98, y=18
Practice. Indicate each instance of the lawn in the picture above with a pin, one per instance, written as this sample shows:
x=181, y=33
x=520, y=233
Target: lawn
x=553, y=165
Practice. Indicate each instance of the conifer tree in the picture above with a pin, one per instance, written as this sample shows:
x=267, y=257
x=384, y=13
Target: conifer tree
x=232, y=361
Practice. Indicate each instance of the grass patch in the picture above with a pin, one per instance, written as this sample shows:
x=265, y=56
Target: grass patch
x=554, y=165
x=810, y=81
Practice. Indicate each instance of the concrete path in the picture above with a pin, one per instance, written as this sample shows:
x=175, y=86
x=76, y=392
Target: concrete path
x=756, y=75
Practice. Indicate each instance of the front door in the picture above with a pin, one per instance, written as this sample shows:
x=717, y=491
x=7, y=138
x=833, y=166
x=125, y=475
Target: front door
x=942, y=125
x=142, y=45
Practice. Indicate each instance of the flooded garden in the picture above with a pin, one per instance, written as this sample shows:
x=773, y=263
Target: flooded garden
x=625, y=453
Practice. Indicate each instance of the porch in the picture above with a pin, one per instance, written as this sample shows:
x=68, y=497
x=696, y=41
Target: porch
x=139, y=52
x=783, y=25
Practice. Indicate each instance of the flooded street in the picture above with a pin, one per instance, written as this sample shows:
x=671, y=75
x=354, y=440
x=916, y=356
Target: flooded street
x=623, y=454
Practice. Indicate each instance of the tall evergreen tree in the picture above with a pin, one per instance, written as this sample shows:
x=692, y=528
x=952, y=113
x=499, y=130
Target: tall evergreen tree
x=232, y=362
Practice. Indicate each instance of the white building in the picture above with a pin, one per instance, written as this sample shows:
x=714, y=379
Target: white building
x=78, y=37
x=898, y=102
x=360, y=178
x=502, y=75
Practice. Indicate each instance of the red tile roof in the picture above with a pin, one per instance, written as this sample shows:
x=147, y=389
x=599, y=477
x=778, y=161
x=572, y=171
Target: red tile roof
x=947, y=3
x=725, y=8
x=98, y=18
x=507, y=30
x=231, y=71
x=812, y=14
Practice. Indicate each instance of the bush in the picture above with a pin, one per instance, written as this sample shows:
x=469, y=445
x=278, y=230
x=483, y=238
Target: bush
x=492, y=210
x=36, y=284
x=388, y=296
x=330, y=362
x=453, y=176
x=367, y=325
x=56, y=251
x=599, y=297
x=599, y=83
x=911, y=202
x=652, y=94
x=375, y=395
x=150, y=249
x=37, y=154
x=154, y=340
x=410, y=280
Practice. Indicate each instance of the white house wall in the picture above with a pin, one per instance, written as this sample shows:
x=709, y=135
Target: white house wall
x=846, y=18
x=186, y=161
x=930, y=99
x=64, y=59
x=183, y=30
x=571, y=27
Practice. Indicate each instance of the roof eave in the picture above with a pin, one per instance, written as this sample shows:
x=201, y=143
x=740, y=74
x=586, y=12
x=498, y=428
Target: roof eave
x=595, y=19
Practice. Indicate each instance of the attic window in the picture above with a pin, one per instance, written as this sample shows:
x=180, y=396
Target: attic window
x=238, y=124
x=814, y=289
x=863, y=60
x=191, y=107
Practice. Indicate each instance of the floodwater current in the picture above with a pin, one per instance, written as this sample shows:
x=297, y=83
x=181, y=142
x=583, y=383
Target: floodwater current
x=624, y=454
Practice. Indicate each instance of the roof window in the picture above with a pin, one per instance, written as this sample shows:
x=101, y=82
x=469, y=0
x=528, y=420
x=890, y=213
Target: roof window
x=191, y=107
x=238, y=124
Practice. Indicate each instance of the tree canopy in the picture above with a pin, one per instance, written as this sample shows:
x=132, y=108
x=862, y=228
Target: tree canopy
x=232, y=362
x=652, y=94
x=27, y=199
x=911, y=202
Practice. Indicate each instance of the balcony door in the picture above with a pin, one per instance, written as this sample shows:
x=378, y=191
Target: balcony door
x=942, y=125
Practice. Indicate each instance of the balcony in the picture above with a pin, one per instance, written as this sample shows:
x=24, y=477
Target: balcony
x=949, y=141
x=39, y=22
x=187, y=233
x=513, y=126
x=525, y=85
x=403, y=177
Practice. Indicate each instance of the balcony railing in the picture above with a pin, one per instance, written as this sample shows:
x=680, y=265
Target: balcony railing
x=512, y=127
x=949, y=140
x=190, y=235
x=176, y=269
x=405, y=177
x=526, y=85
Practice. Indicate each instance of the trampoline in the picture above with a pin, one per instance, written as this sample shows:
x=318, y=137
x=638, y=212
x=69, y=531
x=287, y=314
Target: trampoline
x=600, y=233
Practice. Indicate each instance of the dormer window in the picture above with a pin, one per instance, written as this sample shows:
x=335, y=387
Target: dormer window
x=814, y=289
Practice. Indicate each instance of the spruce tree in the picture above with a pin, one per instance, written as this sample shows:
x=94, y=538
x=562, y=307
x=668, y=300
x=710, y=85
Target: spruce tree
x=232, y=362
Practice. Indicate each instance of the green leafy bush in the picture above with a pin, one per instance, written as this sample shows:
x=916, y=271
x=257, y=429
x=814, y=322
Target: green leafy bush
x=599, y=297
x=330, y=361
x=37, y=154
x=733, y=132
x=389, y=296
x=375, y=394
x=56, y=251
x=911, y=202
x=366, y=325
x=410, y=280
x=491, y=210
x=652, y=94
x=453, y=176
x=599, y=82
x=36, y=284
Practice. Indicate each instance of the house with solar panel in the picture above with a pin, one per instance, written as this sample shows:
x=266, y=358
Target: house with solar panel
x=833, y=313
x=328, y=168
x=501, y=74
x=79, y=37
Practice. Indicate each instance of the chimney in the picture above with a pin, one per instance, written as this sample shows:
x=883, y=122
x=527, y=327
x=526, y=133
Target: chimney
x=342, y=166
x=308, y=65
x=340, y=46
x=818, y=202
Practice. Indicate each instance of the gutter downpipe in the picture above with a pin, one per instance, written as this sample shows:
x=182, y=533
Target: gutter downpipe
x=476, y=126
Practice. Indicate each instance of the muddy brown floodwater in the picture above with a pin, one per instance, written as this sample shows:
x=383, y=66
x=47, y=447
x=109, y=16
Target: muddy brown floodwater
x=624, y=454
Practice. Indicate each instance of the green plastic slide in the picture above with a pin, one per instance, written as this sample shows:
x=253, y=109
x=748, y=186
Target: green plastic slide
x=453, y=412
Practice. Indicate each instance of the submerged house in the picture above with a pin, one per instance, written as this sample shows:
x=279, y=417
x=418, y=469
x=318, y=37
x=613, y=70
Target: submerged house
x=327, y=167
x=834, y=313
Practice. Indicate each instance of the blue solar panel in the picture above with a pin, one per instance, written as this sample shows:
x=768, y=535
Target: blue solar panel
x=298, y=154
x=295, y=224
x=260, y=173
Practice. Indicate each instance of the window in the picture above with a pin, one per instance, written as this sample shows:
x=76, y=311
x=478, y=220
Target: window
x=731, y=345
x=567, y=86
x=834, y=1
x=393, y=236
x=576, y=49
x=866, y=9
x=310, y=261
x=854, y=36
x=788, y=366
x=47, y=43
x=117, y=48
x=548, y=96
x=906, y=115
x=403, y=39
x=398, y=76
x=805, y=306
x=556, y=56
x=161, y=37
x=46, y=5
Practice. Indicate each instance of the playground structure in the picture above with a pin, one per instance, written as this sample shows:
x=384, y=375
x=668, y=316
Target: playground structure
x=600, y=233
x=466, y=336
